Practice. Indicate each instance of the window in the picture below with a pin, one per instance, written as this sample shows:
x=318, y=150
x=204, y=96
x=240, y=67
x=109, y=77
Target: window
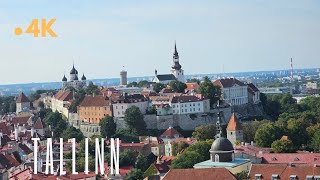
x=194, y=104
x=293, y=177
x=274, y=176
x=181, y=110
x=258, y=176
x=316, y=177
x=173, y=111
x=173, y=106
x=231, y=133
x=116, y=107
x=309, y=177
x=216, y=158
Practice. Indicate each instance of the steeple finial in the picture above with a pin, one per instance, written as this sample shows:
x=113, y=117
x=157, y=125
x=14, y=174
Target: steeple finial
x=175, y=54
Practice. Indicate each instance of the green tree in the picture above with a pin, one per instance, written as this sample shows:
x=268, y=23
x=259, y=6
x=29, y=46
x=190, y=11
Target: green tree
x=266, y=134
x=178, y=86
x=297, y=132
x=158, y=86
x=193, y=80
x=143, y=83
x=250, y=128
x=193, y=154
x=54, y=119
x=108, y=126
x=92, y=89
x=127, y=158
x=141, y=163
x=210, y=91
x=135, y=174
x=242, y=175
x=126, y=136
x=34, y=97
x=132, y=84
x=72, y=132
x=311, y=130
x=178, y=147
x=283, y=146
x=135, y=120
x=315, y=143
x=78, y=97
x=205, y=132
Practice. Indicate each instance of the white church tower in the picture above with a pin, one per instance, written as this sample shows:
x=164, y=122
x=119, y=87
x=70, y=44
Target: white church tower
x=176, y=67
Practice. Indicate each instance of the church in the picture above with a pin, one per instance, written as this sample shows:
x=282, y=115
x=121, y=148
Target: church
x=74, y=80
x=176, y=72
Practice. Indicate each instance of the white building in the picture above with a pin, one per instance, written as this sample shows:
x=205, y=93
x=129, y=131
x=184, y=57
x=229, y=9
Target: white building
x=61, y=102
x=312, y=85
x=122, y=103
x=254, y=94
x=189, y=104
x=74, y=80
x=233, y=91
x=176, y=72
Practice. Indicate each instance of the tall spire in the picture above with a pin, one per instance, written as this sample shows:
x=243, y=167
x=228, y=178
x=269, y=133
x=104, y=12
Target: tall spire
x=175, y=54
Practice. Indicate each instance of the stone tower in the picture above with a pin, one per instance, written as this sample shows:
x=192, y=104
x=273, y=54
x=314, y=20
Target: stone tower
x=234, y=130
x=22, y=103
x=123, y=77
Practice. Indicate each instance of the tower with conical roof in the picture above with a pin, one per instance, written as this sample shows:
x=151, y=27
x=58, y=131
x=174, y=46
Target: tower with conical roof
x=22, y=103
x=234, y=130
x=176, y=67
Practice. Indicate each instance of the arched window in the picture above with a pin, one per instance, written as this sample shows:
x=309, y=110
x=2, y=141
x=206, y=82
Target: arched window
x=216, y=158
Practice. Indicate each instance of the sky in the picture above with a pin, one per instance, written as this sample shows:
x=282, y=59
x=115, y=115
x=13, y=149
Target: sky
x=102, y=36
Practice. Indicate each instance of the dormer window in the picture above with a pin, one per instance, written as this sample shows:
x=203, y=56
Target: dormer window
x=274, y=159
x=309, y=177
x=274, y=176
x=216, y=158
x=258, y=176
x=296, y=159
x=293, y=177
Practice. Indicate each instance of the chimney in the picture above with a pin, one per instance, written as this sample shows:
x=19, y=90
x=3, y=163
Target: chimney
x=16, y=132
x=1, y=135
x=32, y=131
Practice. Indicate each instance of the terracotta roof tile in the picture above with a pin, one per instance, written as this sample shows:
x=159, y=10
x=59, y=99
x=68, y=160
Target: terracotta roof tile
x=228, y=82
x=199, y=174
x=96, y=101
x=64, y=95
x=171, y=133
x=234, y=123
x=22, y=98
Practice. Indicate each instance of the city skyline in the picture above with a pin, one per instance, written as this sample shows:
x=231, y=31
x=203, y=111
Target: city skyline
x=101, y=38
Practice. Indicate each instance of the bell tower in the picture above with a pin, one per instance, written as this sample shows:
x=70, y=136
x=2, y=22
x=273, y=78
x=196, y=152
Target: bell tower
x=176, y=67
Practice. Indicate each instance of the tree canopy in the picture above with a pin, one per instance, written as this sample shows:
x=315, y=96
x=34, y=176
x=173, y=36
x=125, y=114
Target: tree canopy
x=205, y=132
x=178, y=86
x=158, y=86
x=209, y=90
x=108, y=126
x=282, y=146
x=135, y=120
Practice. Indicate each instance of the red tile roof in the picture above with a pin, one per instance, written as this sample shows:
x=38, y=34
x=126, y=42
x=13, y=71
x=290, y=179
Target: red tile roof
x=227, y=83
x=95, y=101
x=184, y=99
x=39, y=124
x=285, y=158
x=64, y=95
x=234, y=123
x=199, y=174
x=3, y=128
x=192, y=86
x=171, y=133
x=20, y=120
x=22, y=98
x=283, y=171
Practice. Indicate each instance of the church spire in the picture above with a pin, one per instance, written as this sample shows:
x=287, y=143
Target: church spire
x=175, y=54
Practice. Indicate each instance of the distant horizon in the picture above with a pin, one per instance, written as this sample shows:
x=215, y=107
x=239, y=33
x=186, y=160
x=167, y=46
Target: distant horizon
x=212, y=36
x=199, y=74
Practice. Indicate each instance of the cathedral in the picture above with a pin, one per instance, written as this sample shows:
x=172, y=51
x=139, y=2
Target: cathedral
x=176, y=72
x=74, y=80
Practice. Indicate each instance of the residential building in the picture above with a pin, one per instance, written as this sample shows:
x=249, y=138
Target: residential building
x=203, y=174
x=284, y=171
x=93, y=109
x=189, y=104
x=74, y=81
x=192, y=87
x=160, y=167
x=312, y=85
x=234, y=130
x=22, y=103
x=233, y=91
x=121, y=103
x=61, y=102
x=163, y=109
x=157, y=145
x=253, y=94
x=176, y=72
